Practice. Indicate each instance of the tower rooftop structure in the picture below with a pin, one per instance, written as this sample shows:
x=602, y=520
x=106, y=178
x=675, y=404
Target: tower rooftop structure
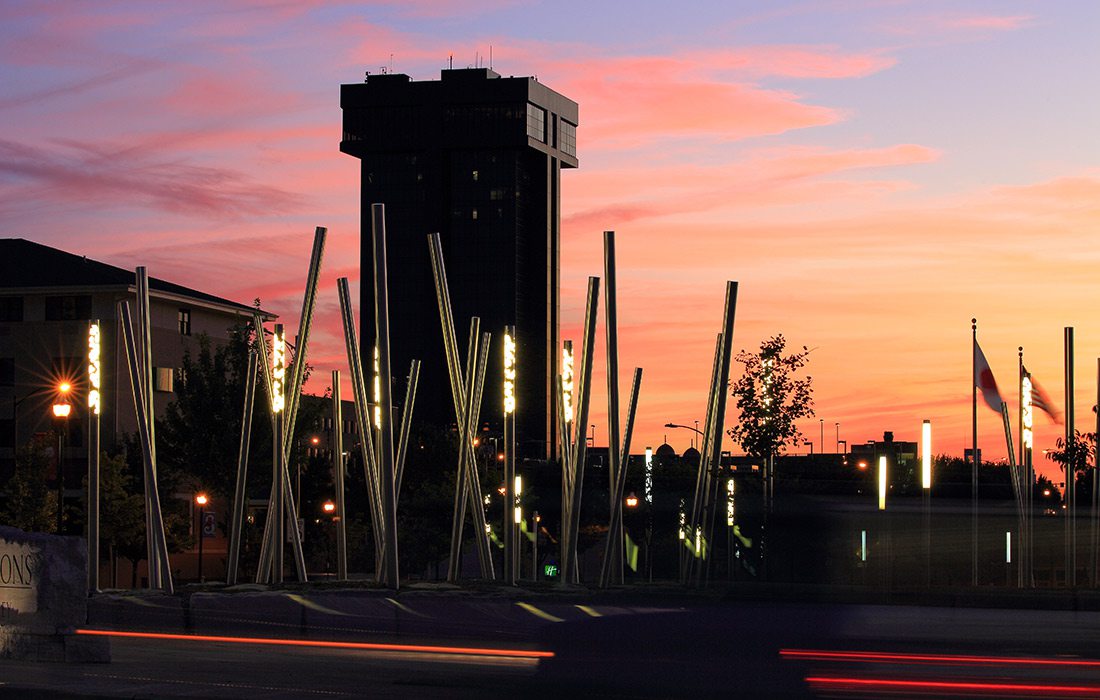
x=477, y=158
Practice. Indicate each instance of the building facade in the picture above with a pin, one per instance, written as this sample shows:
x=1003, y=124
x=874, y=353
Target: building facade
x=47, y=299
x=476, y=158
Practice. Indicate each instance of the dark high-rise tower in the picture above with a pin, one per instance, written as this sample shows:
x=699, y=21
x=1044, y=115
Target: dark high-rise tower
x=476, y=158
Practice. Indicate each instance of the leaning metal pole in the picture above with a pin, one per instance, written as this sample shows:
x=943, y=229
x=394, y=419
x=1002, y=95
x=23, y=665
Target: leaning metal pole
x=95, y=404
x=236, y=523
x=338, y=477
x=362, y=414
x=158, y=568
x=390, y=570
x=570, y=573
x=406, y=422
x=718, y=422
x=611, y=329
x=511, y=532
x=691, y=523
x=153, y=503
x=615, y=528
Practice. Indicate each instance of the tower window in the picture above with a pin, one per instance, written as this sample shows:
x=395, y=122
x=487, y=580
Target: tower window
x=185, y=321
x=536, y=122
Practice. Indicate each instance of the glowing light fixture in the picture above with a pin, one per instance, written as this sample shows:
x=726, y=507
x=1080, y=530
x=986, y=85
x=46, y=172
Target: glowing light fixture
x=567, y=382
x=882, y=482
x=62, y=410
x=377, y=390
x=517, y=510
x=649, y=475
x=1008, y=546
x=201, y=499
x=509, y=374
x=278, y=370
x=631, y=501
x=94, y=376
x=730, y=502
x=926, y=455
x=328, y=507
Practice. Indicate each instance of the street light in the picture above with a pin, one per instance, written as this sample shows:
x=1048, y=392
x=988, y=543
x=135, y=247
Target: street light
x=61, y=410
x=202, y=500
x=631, y=501
x=688, y=427
x=329, y=507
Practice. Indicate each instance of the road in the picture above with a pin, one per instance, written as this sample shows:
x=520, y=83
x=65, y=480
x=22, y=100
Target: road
x=566, y=649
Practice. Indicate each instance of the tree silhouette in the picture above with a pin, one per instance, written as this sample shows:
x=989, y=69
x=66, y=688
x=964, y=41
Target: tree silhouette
x=771, y=400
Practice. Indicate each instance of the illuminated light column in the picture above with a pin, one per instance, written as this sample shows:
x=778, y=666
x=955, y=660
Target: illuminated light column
x=1070, y=450
x=278, y=403
x=882, y=482
x=926, y=492
x=95, y=403
x=926, y=455
x=511, y=481
x=649, y=475
x=386, y=465
x=730, y=512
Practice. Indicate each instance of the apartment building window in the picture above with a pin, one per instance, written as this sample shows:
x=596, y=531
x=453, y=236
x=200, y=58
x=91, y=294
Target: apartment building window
x=68, y=308
x=11, y=308
x=536, y=122
x=185, y=321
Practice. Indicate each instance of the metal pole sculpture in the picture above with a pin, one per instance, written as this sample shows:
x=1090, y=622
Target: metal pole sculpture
x=263, y=568
x=386, y=465
x=158, y=573
x=571, y=511
x=287, y=421
x=710, y=459
x=95, y=403
x=362, y=416
x=460, y=391
x=564, y=392
x=690, y=535
x=338, y=477
x=406, y=422
x=236, y=523
x=1017, y=488
x=615, y=528
x=611, y=331
x=154, y=535
x=511, y=498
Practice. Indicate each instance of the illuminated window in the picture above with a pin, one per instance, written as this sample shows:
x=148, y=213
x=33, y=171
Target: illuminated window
x=185, y=321
x=567, y=137
x=536, y=122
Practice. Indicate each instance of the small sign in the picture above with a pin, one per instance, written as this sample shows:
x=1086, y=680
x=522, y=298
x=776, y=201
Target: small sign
x=209, y=524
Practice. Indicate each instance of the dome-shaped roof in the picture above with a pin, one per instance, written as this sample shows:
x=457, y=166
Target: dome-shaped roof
x=691, y=455
x=665, y=451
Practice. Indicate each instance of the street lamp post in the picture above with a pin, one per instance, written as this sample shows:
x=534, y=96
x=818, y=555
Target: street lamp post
x=688, y=427
x=821, y=444
x=201, y=499
x=61, y=411
x=838, y=437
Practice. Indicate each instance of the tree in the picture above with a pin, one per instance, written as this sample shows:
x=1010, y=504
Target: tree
x=1082, y=453
x=771, y=400
x=29, y=502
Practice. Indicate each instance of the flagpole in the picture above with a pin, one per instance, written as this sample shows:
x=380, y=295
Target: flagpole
x=1070, y=453
x=974, y=454
x=1025, y=527
x=1095, y=540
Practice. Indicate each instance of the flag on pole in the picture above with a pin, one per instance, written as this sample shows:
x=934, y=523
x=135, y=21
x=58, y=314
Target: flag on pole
x=983, y=379
x=1041, y=400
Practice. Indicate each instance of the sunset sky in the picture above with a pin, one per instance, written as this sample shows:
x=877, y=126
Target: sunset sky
x=874, y=174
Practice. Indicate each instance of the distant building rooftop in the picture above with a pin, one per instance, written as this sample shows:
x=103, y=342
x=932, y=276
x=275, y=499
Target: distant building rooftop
x=26, y=265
